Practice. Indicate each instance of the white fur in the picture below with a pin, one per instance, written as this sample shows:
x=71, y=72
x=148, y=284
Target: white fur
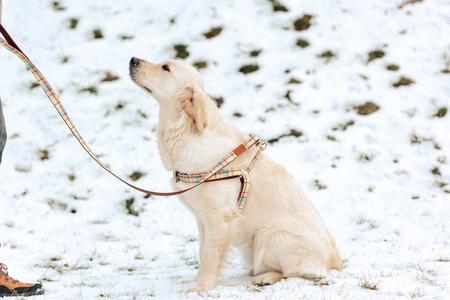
x=279, y=233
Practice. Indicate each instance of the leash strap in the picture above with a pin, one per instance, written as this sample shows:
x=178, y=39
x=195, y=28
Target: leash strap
x=10, y=45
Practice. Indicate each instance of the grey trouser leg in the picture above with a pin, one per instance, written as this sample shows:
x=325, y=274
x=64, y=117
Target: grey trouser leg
x=2, y=131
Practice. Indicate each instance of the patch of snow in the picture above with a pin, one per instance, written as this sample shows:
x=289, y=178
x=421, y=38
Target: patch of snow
x=381, y=181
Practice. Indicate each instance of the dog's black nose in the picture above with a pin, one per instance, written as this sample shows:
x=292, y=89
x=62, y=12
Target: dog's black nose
x=134, y=62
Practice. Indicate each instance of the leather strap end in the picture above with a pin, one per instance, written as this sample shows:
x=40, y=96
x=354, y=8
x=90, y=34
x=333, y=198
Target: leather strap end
x=9, y=39
x=239, y=150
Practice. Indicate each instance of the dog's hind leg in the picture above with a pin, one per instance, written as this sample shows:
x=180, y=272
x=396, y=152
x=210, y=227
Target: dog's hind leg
x=281, y=254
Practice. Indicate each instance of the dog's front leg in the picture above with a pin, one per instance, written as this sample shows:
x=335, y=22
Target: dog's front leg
x=215, y=248
x=201, y=235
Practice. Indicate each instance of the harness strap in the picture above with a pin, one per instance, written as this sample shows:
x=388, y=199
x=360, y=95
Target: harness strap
x=221, y=175
x=226, y=174
x=10, y=45
x=262, y=146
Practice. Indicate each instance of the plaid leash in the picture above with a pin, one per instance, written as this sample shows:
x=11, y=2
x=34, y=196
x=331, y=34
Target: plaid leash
x=217, y=173
x=10, y=45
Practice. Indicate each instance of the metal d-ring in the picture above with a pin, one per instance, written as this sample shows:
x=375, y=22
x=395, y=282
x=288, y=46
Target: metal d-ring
x=262, y=143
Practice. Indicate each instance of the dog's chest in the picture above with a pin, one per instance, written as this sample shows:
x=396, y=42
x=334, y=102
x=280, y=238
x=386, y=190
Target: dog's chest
x=193, y=154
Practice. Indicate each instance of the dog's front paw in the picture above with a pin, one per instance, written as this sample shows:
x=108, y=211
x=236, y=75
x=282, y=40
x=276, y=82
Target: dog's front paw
x=198, y=289
x=203, y=286
x=189, y=281
x=192, y=280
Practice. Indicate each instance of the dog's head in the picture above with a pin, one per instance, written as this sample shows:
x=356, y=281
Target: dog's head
x=177, y=87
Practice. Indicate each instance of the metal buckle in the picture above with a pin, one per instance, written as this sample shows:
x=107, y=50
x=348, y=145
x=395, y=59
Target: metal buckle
x=175, y=176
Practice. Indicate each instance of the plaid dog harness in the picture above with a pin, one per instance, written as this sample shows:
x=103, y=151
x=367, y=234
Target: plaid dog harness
x=217, y=173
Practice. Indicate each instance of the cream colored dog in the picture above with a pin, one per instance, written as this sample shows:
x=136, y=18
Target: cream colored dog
x=279, y=232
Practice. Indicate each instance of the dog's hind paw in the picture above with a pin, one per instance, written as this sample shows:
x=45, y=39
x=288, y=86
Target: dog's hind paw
x=267, y=278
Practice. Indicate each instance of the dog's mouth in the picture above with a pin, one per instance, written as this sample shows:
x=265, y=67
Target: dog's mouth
x=143, y=87
x=135, y=79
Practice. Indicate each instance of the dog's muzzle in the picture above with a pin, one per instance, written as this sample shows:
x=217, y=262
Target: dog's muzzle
x=134, y=73
x=134, y=64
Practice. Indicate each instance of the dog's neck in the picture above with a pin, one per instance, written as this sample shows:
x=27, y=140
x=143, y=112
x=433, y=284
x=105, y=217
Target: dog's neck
x=179, y=145
x=171, y=136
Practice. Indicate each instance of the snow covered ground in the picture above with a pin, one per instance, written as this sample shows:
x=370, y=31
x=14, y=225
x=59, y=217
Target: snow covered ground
x=380, y=179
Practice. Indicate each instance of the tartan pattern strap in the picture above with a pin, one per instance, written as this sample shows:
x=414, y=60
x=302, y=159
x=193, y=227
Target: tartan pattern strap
x=252, y=140
x=11, y=46
x=217, y=173
x=262, y=144
x=52, y=97
x=196, y=178
x=244, y=192
x=223, y=174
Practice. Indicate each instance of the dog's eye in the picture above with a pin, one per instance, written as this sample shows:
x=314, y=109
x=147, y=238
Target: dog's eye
x=166, y=68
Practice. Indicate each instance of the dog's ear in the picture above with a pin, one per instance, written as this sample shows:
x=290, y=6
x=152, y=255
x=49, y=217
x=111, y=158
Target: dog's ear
x=193, y=104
